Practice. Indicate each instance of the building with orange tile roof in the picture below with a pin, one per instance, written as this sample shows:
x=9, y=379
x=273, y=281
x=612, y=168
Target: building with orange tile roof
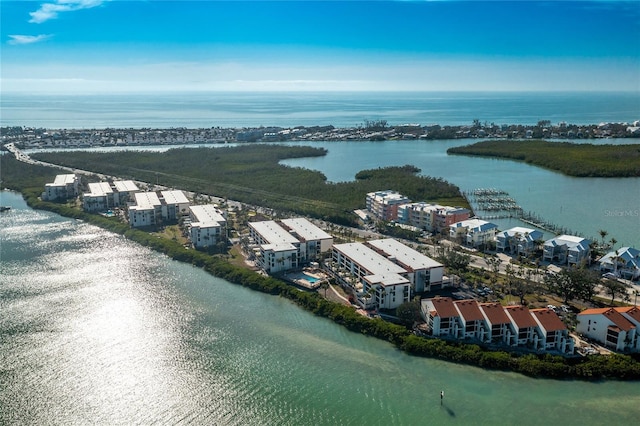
x=502, y=329
x=615, y=328
x=474, y=324
x=538, y=329
x=526, y=326
x=442, y=317
x=555, y=334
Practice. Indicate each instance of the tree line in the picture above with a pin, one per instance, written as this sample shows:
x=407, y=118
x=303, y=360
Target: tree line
x=581, y=160
x=253, y=175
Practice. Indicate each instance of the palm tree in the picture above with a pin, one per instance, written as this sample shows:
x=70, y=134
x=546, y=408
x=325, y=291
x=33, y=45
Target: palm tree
x=603, y=234
x=324, y=285
x=613, y=242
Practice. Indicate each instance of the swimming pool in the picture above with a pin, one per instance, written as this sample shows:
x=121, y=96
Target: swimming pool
x=309, y=278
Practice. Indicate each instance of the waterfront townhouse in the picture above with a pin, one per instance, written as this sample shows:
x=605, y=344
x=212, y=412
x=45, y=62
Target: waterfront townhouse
x=146, y=210
x=315, y=239
x=474, y=324
x=473, y=232
x=567, y=250
x=430, y=217
x=277, y=249
x=99, y=197
x=383, y=205
x=527, y=333
x=518, y=240
x=424, y=273
x=538, y=329
x=208, y=225
x=62, y=188
x=500, y=325
x=624, y=262
x=376, y=281
x=555, y=335
x=441, y=316
x=615, y=328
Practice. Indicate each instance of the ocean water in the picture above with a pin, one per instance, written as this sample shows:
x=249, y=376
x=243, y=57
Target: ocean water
x=340, y=109
x=97, y=330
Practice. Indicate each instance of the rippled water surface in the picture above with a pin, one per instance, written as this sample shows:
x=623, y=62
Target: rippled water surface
x=97, y=330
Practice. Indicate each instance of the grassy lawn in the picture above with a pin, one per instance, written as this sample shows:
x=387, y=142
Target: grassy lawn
x=172, y=232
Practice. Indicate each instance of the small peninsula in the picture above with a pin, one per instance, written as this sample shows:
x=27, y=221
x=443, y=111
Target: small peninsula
x=580, y=160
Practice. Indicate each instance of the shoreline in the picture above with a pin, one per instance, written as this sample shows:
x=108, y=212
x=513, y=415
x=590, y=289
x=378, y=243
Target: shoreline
x=591, y=368
x=48, y=138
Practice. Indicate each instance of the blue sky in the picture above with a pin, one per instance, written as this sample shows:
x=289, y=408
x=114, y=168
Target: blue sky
x=86, y=46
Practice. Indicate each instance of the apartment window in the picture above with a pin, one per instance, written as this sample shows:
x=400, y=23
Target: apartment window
x=612, y=337
x=471, y=326
x=445, y=323
x=496, y=330
x=523, y=333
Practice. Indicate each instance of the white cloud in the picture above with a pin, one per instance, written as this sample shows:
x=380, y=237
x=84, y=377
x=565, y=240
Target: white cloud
x=27, y=39
x=49, y=11
x=434, y=75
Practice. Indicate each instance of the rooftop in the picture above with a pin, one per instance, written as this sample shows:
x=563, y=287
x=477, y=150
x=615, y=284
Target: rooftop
x=469, y=310
x=305, y=229
x=206, y=215
x=548, y=319
x=125, y=186
x=146, y=200
x=404, y=254
x=64, y=179
x=174, y=197
x=369, y=259
x=444, y=307
x=521, y=315
x=273, y=233
x=99, y=189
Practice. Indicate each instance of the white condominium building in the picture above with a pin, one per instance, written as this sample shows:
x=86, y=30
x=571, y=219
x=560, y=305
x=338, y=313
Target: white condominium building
x=62, y=188
x=208, y=225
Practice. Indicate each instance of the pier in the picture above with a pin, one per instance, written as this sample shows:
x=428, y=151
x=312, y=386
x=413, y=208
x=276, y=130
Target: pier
x=493, y=204
x=495, y=201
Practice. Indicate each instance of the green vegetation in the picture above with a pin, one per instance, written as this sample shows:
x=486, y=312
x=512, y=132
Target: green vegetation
x=252, y=174
x=29, y=179
x=582, y=160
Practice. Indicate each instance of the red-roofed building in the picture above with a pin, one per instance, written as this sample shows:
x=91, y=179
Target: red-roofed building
x=441, y=316
x=616, y=328
x=554, y=332
x=540, y=329
x=474, y=324
x=528, y=331
x=632, y=313
x=499, y=323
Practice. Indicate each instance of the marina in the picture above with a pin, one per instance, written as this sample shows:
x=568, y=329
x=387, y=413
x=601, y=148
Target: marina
x=496, y=204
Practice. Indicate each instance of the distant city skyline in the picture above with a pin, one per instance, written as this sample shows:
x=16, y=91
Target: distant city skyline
x=97, y=46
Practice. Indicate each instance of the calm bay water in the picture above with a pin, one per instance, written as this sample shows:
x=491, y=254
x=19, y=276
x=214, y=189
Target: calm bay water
x=583, y=205
x=95, y=329
x=309, y=109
